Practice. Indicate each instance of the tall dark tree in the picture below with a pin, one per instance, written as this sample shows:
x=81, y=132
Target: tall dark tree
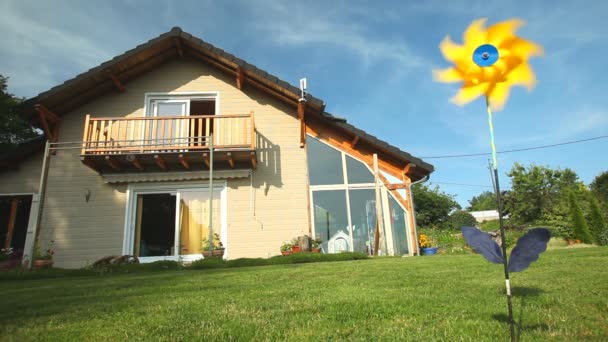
x=597, y=222
x=13, y=129
x=484, y=201
x=579, y=224
x=433, y=206
x=599, y=187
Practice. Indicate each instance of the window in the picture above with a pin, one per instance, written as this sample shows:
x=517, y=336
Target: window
x=175, y=131
x=343, y=195
x=331, y=221
x=167, y=222
x=14, y=219
x=358, y=172
x=324, y=163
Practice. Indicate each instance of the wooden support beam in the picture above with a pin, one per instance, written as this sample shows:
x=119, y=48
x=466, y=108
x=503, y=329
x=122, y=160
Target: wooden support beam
x=45, y=126
x=91, y=164
x=396, y=186
x=254, y=159
x=354, y=142
x=114, y=164
x=408, y=168
x=184, y=161
x=178, y=46
x=240, y=78
x=117, y=83
x=230, y=160
x=136, y=162
x=160, y=161
x=50, y=116
x=11, y=223
x=206, y=159
x=301, y=113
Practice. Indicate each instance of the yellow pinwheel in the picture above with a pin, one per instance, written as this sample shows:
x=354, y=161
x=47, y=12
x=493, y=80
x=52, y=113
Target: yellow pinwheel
x=489, y=62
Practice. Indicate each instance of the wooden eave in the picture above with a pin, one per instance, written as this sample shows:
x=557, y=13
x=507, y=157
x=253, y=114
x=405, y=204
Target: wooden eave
x=342, y=139
x=145, y=57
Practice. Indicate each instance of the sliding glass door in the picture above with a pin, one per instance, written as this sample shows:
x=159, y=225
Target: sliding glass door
x=174, y=224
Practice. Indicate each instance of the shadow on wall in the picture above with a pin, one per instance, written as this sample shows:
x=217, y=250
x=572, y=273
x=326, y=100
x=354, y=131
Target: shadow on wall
x=268, y=172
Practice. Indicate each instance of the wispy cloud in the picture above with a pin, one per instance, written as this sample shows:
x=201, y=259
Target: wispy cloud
x=297, y=25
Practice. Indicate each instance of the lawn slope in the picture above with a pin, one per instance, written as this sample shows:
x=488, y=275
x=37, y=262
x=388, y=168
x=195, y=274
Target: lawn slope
x=564, y=296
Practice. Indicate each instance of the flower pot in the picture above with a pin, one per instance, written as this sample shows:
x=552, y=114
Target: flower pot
x=316, y=250
x=214, y=253
x=8, y=264
x=42, y=264
x=295, y=249
x=429, y=250
x=284, y=253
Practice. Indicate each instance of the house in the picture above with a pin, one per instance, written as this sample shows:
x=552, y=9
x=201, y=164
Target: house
x=132, y=142
x=484, y=215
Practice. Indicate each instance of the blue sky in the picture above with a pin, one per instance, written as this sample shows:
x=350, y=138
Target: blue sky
x=370, y=61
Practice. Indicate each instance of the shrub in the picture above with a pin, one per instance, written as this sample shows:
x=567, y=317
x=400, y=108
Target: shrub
x=460, y=218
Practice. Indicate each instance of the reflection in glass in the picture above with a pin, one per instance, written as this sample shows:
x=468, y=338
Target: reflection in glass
x=399, y=224
x=363, y=219
x=331, y=222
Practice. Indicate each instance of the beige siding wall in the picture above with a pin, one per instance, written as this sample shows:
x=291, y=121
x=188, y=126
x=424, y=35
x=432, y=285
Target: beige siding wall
x=84, y=231
x=23, y=180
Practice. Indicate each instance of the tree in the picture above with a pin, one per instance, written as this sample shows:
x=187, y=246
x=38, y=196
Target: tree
x=597, y=223
x=13, y=129
x=433, y=206
x=580, y=229
x=484, y=201
x=540, y=194
x=599, y=187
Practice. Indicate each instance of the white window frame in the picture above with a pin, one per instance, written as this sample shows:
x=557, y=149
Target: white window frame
x=172, y=188
x=179, y=97
x=371, y=186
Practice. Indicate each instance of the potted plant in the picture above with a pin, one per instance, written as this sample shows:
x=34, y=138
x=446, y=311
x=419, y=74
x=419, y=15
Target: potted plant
x=218, y=247
x=295, y=246
x=426, y=243
x=286, y=248
x=8, y=259
x=43, y=259
x=315, y=245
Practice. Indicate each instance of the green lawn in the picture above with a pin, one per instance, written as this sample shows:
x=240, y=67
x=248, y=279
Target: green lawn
x=564, y=296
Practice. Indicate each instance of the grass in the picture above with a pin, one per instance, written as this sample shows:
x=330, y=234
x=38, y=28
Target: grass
x=563, y=296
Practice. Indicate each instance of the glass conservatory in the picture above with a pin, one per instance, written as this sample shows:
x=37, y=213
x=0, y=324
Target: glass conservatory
x=343, y=205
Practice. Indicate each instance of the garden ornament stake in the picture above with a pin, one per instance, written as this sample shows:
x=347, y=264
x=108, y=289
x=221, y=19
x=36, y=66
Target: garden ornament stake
x=488, y=63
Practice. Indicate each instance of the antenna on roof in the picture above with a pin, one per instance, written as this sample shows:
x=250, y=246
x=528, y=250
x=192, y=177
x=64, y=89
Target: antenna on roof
x=303, y=89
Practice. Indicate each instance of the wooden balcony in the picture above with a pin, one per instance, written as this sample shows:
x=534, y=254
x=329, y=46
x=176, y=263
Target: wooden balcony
x=169, y=143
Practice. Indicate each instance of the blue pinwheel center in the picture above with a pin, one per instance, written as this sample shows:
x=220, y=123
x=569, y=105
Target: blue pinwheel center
x=485, y=55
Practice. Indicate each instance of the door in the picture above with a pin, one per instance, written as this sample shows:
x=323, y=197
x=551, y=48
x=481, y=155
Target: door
x=173, y=224
x=14, y=219
x=166, y=132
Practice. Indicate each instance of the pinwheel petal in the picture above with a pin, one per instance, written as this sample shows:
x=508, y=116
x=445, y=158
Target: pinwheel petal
x=521, y=48
x=522, y=74
x=469, y=93
x=475, y=35
x=450, y=75
x=452, y=51
x=500, y=32
x=498, y=95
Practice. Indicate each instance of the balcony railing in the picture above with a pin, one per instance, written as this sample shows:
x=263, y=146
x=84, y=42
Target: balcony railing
x=167, y=134
x=169, y=143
